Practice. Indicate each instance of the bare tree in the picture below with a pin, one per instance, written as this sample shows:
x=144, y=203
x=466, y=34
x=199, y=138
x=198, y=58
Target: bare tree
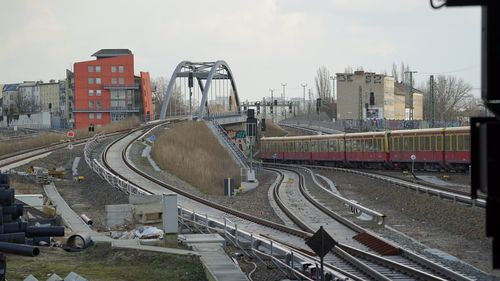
x=323, y=85
x=452, y=98
x=395, y=72
x=348, y=69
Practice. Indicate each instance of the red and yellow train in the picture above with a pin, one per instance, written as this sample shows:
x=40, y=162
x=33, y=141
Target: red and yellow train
x=447, y=148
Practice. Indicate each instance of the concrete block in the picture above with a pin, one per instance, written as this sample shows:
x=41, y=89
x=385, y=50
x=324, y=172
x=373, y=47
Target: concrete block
x=148, y=213
x=74, y=277
x=30, y=278
x=54, y=277
x=170, y=224
x=118, y=214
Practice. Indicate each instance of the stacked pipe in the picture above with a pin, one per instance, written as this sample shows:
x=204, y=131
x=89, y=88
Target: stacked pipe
x=15, y=235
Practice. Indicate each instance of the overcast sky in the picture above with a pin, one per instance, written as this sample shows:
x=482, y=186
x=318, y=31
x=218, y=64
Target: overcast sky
x=265, y=42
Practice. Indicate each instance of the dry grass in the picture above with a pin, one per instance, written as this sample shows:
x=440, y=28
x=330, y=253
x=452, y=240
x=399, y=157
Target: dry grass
x=10, y=146
x=191, y=152
x=274, y=130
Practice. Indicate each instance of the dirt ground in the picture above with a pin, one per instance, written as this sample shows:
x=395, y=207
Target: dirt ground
x=456, y=229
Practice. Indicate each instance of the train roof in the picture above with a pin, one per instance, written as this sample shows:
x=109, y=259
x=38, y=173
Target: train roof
x=418, y=131
x=366, y=134
x=457, y=129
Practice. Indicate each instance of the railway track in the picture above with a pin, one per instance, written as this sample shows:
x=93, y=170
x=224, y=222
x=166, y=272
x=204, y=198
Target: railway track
x=399, y=264
x=356, y=264
x=432, y=190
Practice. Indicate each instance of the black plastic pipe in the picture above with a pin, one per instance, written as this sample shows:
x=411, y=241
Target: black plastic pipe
x=34, y=231
x=19, y=249
x=18, y=237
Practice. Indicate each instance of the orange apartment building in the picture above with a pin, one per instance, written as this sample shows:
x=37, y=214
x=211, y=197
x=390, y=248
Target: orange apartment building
x=106, y=90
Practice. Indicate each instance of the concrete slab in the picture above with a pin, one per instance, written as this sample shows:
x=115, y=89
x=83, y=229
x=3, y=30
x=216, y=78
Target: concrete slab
x=190, y=239
x=69, y=217
x=134, y=244
x=218, y=264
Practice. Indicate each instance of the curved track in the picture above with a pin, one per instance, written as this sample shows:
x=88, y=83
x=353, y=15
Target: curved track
x=404, y=265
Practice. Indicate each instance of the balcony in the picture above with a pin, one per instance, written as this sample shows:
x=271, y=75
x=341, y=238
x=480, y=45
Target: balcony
x=134, y=86
x=108, y=109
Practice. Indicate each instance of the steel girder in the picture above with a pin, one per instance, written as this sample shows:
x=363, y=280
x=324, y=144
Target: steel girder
x=201, y=71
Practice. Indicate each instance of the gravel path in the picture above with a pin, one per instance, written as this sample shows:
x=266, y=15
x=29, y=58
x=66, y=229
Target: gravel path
x=453, y=228
x=88, y=196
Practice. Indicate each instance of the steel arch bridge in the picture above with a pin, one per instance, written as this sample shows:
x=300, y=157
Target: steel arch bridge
x=203, y=89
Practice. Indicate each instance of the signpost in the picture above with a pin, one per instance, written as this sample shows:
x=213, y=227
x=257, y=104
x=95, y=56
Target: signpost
x=70, y=134
x=413, y=157
x=321, y=243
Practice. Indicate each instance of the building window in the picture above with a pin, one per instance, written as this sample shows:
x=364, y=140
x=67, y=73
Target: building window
x=113, y=81
x=91, y=93
x=121, y=69
x=97, y=68
x=98, y=93
x=121, y=80
x=91, y=115
x=91, y=104
x=99, y=104
x=91, y=81
x=99, y=115
x=90, y=68
x=98, y=80
x=113, y=68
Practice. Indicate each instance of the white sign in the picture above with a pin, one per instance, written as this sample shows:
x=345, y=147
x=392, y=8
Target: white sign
x=70, y=146
x=413, y=157
x=15, y=128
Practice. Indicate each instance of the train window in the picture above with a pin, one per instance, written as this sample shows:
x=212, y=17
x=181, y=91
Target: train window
x=395, y=144
x=348, y=146
x=411, y=141
x=460, y=142
x=406, y=144
x=333, y=146
x=433, y=143
x=466, y=142
x=324, y=146
x=368, y=145
x=447, y=145
x=340, y=146
x=439, y=143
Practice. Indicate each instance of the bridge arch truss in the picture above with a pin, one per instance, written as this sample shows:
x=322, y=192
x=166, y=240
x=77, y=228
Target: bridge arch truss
x=212, y=91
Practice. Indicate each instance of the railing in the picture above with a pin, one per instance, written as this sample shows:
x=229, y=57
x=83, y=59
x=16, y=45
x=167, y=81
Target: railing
x=233, y=149
x=287, y=260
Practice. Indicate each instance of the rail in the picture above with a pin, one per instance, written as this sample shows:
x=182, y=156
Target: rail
x=414, y=186
x=258, y=243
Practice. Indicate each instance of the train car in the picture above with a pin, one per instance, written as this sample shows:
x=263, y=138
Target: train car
x=271, y=148
x=366, y=148
x=297, y=148
x=425, y=144
x=457, y=147
x=327, y=148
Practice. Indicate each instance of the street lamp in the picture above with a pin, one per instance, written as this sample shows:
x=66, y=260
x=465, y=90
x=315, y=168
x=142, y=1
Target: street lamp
x=284, y=98
x=304, y=85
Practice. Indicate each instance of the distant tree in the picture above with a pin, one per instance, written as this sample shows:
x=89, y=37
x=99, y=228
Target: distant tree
x=395, y=72
x=348, y=69
x=324, y=90
x=452, y=98
x=323, y=85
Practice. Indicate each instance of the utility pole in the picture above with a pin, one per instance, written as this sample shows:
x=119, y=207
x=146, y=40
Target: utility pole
x=360, y=104
x=410, y=94
x=284, y=99
x=304, y=85
x=433, y=103
x=272, y=104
